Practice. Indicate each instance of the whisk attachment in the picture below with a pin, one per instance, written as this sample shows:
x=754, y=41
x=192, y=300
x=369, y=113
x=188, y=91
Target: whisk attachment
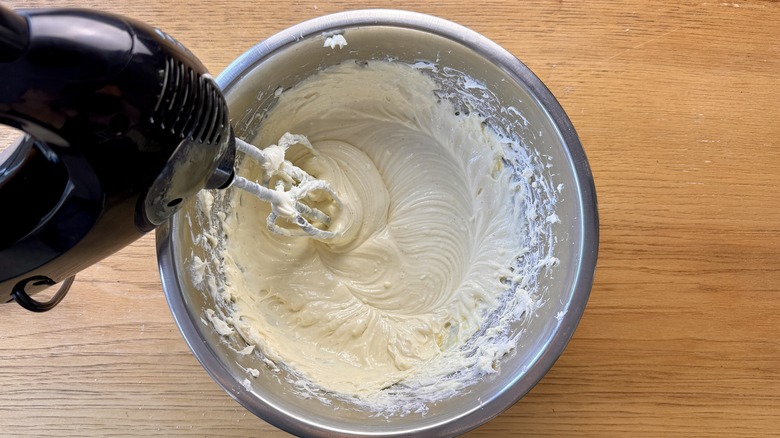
x=293, y=187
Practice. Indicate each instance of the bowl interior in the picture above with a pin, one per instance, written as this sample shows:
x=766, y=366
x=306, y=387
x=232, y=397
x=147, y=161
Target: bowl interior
x=514, y=102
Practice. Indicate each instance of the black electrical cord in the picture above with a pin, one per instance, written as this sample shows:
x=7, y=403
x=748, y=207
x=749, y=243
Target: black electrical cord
x=26, y=301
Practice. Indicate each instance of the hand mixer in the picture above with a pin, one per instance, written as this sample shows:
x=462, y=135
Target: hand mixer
x=122, y=125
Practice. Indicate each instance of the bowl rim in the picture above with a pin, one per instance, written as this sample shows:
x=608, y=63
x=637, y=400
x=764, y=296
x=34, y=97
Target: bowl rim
x=586, y=193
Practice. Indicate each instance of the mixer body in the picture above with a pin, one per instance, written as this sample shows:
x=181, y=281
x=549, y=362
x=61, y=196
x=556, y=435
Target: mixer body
x=122, y=125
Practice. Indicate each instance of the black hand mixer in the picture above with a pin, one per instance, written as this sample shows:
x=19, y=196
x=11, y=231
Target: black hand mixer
x=122, y=126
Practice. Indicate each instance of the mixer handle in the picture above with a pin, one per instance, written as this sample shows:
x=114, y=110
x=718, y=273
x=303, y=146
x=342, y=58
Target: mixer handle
x=122, y=125
x=58, y=89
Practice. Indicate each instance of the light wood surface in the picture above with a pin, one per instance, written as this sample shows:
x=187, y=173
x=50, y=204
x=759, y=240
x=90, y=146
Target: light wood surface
x=677, y=106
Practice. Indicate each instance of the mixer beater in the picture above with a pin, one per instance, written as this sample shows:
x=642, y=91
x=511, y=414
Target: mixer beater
x=292, y=188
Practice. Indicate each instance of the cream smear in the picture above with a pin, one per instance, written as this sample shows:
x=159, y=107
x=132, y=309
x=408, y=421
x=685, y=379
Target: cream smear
x=414, y=299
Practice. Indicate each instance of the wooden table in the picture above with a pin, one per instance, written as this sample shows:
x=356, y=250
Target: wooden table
x=678, y=108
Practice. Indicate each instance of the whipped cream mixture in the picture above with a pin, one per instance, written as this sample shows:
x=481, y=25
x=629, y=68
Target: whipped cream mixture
x=428, y=234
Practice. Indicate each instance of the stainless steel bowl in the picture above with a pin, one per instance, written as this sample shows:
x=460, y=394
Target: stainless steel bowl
x=296, y=53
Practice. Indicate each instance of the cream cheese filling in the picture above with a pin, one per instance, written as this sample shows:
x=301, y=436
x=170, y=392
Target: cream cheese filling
x=428, y=232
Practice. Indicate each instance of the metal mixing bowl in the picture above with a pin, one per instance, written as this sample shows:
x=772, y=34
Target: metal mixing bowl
x=296, y=53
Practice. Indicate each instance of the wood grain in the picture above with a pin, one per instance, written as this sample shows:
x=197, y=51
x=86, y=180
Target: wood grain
x=677, y=107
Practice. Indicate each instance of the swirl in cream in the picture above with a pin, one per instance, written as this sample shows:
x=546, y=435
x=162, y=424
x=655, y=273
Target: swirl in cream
x=428, y=231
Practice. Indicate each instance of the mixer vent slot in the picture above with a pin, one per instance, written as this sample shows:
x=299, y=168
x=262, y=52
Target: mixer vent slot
x=190, y=105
